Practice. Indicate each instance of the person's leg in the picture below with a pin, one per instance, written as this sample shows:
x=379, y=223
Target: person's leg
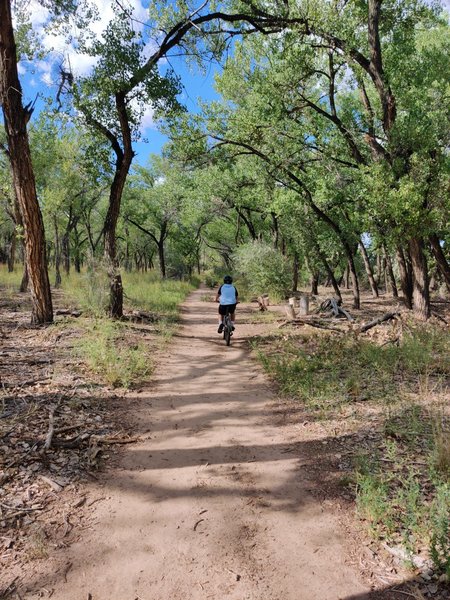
x=233, y=318
x=220, y=329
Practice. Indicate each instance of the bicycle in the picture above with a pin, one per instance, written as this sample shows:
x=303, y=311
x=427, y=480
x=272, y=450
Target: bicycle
x=227, y=327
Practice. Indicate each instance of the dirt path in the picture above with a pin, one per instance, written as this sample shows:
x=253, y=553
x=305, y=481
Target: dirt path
x=215, y=505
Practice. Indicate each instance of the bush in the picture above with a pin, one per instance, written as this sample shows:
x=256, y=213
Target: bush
x=265, y=270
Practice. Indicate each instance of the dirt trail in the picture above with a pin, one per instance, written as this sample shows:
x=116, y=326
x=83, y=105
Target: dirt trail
x=214, y=505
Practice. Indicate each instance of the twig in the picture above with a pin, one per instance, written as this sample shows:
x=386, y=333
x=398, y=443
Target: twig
x=404, y=593
x=57, y=487
x=439, y=317
x=51, y=426
x=198, y=523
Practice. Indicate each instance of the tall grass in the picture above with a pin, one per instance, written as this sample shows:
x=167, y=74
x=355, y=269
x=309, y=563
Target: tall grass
x=148, y=292
x=11, y=281
x=144, y=291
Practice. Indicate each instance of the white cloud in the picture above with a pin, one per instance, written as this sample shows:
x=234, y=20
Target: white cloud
x=147, y=121
x=60, y=51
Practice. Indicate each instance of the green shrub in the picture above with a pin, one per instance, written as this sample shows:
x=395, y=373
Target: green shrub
x=264, y=269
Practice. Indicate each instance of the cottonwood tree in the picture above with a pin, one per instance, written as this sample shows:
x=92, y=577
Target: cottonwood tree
x=16, y=117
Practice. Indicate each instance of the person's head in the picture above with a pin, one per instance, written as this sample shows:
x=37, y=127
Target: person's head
x=228, y=279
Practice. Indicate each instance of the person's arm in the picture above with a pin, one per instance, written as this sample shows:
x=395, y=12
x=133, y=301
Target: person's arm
x=237, y=295
x=218, y=294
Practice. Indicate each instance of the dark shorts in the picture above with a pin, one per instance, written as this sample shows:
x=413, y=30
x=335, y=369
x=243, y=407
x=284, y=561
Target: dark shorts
x=224, y=307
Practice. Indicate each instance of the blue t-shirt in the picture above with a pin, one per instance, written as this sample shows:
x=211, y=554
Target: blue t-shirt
x=228, y=294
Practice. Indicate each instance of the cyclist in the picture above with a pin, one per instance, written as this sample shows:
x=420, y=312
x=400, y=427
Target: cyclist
x=227, y=296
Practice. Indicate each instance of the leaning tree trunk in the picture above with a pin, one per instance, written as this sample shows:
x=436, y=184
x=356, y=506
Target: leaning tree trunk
x=405, y=278
x=421, y=289
x=16, y=118
x=441, y=261
x=369, y=271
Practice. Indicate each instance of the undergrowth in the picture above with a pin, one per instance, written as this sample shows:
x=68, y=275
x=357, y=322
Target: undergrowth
x=402, y=471
x=106, y=351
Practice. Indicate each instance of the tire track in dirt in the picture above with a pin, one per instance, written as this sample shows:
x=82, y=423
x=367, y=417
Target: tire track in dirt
x=213, y=505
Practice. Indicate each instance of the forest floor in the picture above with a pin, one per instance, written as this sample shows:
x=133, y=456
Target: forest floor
x=200, y=484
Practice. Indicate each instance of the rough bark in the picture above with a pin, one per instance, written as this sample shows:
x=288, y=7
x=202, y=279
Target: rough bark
x=441, y=261
x=369, y=271
x=16, y=117
x=421, y=284
x=405, y=278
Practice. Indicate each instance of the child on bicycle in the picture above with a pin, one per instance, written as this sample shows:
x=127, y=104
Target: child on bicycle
x=227, y=296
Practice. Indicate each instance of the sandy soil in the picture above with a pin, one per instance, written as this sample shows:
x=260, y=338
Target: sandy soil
x=216, y=503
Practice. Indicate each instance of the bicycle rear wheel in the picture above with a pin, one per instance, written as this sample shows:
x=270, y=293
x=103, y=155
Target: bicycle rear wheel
x=227, y=334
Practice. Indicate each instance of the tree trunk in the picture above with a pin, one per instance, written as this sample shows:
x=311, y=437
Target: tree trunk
x=355, y=284
x=24, y=282
x=421, y=289
x=390, y=273
x=441, y=261
x=12, y=251
x=346, y=277
x=57, y=255
x=123, y=162
x=314, y=283
x=331, y=276
x=295, y=267
x=16, y=118
x=65, y=248
x=405, y=278
x=162, y=259
x=369, y=271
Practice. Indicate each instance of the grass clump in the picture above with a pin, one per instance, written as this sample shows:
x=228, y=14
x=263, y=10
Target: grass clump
x=403, y=476
x=342, y=370
x=106, y=352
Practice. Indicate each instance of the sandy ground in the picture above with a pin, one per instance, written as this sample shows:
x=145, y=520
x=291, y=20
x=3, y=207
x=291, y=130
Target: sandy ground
x=214, y=504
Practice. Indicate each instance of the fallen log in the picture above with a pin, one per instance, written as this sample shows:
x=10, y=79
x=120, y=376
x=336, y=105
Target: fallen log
x=387, y=317
x=68, y=312
x=318, y=324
